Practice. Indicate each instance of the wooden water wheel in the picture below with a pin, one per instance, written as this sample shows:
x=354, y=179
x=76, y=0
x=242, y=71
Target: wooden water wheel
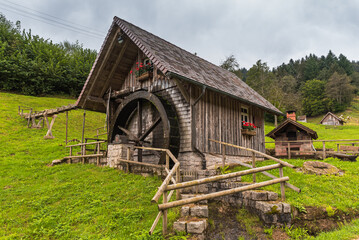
x=147, y=120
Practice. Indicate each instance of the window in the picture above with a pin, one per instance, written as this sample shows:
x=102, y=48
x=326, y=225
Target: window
x=244, y=114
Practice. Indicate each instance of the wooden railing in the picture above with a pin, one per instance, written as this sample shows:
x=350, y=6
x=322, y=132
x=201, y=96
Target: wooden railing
x=173, y=175
x=324, y=145
x=83, y=152
x=165, y=187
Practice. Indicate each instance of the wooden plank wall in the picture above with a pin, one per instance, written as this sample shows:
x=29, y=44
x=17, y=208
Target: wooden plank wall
x=219, y=117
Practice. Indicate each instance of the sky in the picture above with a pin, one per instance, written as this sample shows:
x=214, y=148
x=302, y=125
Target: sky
x=273, y=31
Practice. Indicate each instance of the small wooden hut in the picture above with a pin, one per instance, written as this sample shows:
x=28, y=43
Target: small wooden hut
x=331, y=119
x=290, y=130
x=157, y=94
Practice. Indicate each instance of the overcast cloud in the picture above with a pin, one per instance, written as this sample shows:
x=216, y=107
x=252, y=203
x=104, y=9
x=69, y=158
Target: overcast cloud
x=271, y=30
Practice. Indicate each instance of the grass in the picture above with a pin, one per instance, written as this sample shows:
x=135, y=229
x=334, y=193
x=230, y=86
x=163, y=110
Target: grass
x=66, y=201
x=88, y=202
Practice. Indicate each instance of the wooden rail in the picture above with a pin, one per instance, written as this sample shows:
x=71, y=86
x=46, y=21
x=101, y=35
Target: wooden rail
x=165, y=187
x=324, y=151
x=83, y=154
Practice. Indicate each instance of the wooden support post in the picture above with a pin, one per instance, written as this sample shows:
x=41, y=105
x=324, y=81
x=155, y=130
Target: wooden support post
x=275, y=120
x=254, y=165
x=289, y=153
x=29, y=118
x=98, y=152
x=67, y=123
x=223, y=155
x=178, y=180
x=49, y=127
x=324, y=153
x=128, y=159
x=70, y=160
x=164, y=217
x=167, y=161
x=83, y=127
x=282, y=184
x=139, y=128
x=338, y=147
x=83, y=152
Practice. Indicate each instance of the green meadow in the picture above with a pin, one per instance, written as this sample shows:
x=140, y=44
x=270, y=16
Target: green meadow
x=75, y=201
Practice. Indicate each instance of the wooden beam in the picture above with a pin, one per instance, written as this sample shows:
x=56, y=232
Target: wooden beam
x=221, y=177
x=104, y=61
x=182, y=202
x=272, y=176
x=182, y=90
x=255, y=151
x=96, y=99
x=114, y=67
x=49, y=127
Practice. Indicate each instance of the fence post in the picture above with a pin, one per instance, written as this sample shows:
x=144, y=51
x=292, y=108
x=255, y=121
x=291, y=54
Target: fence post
x=282, y=184
x=338, y=147
x=128, y=159
x=98, y=152
x=67, y=123
x=178, y=180
x=164, y=217
x=70, y=159
x=289, y=153
x=28, y=120
x=167, y=162
x=223, y=155
x=254, y=165
x=324, y=153
x=83, y=152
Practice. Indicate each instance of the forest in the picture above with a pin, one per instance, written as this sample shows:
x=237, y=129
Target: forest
x=32, y=65
x=312, y=85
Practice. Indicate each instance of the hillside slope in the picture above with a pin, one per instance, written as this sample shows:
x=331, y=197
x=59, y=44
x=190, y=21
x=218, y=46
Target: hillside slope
x=66, y=201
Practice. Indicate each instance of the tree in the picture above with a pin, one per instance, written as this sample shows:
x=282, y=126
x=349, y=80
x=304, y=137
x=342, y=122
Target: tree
x=260, y=78
x=313, y=94
x=231, y=65
x=339, y=92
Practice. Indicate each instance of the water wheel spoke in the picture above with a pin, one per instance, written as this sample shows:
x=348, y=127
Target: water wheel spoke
x=129, y=134
x=150, y=129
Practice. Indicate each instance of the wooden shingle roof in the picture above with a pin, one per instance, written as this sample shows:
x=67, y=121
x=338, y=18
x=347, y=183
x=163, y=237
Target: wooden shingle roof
x=334, y=116
x=286, y=123
x=176, y=62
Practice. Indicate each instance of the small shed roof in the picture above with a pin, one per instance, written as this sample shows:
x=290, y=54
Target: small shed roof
x=289, y=122
x=174, y=62
x=334, y=116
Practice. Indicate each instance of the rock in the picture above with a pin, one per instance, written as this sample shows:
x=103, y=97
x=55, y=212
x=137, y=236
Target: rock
x=179, y=226
x=197, y=227
x=185, y=211
x=200, y=211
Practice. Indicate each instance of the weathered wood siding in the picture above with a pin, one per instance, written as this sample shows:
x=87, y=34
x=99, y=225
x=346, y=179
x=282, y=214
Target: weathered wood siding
x=331, y=120
x=219, y=117
x=167, y=89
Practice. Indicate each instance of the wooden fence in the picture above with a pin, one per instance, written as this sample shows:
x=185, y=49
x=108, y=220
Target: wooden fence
x=324, y=151
x=166, y=187
x=83, y=154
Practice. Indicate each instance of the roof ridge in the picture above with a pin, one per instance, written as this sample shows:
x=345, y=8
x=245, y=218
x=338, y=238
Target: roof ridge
x=194, y=55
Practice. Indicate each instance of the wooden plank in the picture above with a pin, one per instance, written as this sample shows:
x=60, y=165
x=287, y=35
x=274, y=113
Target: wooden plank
x=84, y=156
x=81, y=144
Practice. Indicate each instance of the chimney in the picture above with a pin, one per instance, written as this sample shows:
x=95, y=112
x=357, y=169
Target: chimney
x=291, y=115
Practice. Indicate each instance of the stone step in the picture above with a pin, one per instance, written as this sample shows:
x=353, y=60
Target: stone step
x=199, y=211
x=195, y=226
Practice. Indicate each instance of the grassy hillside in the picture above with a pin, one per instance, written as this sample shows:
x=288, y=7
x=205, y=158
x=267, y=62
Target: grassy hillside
x=67, y=201
x=87, y=202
